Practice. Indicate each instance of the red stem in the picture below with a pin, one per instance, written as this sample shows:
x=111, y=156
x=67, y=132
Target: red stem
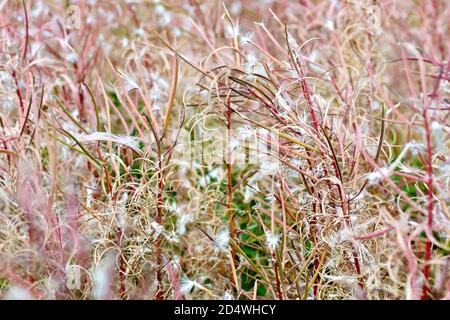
x=230, y=187
x=425, y=287
x=277, y=275
x=159, y=204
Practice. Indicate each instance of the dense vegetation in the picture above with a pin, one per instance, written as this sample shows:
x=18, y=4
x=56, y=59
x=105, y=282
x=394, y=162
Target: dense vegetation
x=236, y=150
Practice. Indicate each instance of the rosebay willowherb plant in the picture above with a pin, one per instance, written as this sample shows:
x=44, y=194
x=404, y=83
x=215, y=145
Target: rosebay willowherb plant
x=224, y=150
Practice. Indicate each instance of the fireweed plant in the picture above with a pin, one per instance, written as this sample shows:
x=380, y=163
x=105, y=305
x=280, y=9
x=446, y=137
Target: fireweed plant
x=224, y=150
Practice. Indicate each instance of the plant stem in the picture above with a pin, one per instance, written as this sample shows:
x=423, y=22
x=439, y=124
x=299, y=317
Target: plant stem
x=230, y=186
x=159, y=204
x=425, y=287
